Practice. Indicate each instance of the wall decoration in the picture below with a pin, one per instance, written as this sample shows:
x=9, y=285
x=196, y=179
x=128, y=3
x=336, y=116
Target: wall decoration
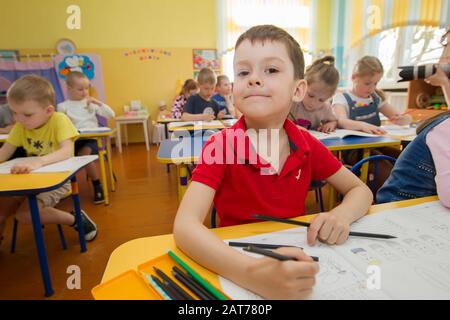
x=205, y=58
x=9, y=55
x=89, y=64
x=148, y=54
x=65, y=46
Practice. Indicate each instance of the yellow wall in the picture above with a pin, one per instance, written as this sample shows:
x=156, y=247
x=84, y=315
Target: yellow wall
x=110, y=28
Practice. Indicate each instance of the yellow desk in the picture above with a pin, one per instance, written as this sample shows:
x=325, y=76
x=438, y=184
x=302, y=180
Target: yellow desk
x=130, y=254
x=31, y=185
x=102, y=151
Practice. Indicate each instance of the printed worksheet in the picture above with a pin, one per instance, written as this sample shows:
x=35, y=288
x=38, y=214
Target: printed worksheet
x=69, y=165
x=415, y=265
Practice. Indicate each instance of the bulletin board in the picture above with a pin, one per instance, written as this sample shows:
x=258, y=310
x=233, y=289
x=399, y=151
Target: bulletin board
x=205, y=58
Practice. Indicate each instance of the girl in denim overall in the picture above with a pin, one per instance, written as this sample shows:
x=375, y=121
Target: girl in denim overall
x=359, y=109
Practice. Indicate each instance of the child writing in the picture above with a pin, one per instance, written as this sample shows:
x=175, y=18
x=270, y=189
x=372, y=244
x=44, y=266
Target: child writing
x=190, y=88
x=82, y=111
x=423, y=168
x=359, y=108
x=201, y=106
x=224, y=96
x=268, y=66
x=314, y=112
x=47, y=137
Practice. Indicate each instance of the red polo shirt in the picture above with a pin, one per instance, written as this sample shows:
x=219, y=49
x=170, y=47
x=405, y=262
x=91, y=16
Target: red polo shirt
x=245, y=187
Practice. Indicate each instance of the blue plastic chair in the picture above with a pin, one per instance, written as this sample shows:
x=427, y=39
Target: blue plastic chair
x=356, y=168
x=14, y=236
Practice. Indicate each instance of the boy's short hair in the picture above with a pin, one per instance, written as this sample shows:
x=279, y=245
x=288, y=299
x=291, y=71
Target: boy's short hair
x=73, y=75
x=206, y=76
x=263, y=33
x=34, y=88
x=221, y=78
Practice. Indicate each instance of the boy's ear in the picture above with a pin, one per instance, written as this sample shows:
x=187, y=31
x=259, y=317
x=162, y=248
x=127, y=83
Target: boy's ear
x=50, y=109
x=300, y=90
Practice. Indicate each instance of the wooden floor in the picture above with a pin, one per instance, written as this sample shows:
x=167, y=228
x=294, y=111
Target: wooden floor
x=143, y=205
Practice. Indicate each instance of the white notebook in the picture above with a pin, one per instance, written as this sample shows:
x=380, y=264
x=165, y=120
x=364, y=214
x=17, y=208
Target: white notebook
x=71, y=165
x=94, y=130
x=339, y=134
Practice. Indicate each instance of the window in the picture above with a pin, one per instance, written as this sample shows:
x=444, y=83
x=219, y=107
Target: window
x=402, y=46
x=236, y=16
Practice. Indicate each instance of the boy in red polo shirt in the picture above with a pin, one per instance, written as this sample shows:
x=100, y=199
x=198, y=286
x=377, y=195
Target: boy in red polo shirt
x=242, y=181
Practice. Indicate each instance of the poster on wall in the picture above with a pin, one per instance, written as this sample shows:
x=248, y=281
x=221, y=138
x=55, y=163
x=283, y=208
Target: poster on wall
x=205, y=58
x=89, y=64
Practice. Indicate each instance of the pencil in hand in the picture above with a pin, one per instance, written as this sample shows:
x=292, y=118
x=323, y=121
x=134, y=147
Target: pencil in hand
x=272, y=254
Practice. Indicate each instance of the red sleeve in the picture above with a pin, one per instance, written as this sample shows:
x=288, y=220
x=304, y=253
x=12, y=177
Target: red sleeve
x=324, y=163
x=210, y=169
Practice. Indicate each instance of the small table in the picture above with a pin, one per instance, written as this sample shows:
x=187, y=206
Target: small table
x=165, y=122
x=130, y=120
x=33, y=184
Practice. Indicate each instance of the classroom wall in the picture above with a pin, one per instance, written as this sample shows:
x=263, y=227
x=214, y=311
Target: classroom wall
x=111, y=28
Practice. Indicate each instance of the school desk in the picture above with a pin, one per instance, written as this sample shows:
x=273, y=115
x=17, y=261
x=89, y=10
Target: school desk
x=126, y=120
x=205, y=126
x=165, y=122
x=102, y=151
x=31, y=185
x=132, y=253
x=188, y=150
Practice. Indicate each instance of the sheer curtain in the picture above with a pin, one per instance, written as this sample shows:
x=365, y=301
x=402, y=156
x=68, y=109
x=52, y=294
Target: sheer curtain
x=236, y=16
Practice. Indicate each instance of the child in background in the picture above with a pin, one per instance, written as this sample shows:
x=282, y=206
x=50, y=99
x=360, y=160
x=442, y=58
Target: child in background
x=6, y=119
x=201, y=106
x=190, y=88
x=359, y=108
x=268, y=68
x=224, y=95
x=423, y=168
x=314, y=112
x=47, y=137
x=82, y=111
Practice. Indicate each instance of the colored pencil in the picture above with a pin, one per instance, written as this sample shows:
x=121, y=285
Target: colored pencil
x=259, y=245
x=272, y=254
x=173, y=284
x=205, y=284
x=307, y=224
x=188, y=283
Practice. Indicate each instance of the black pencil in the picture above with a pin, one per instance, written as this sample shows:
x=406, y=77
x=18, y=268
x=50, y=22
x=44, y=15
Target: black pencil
x=165, y=288
x=272, y=254
x=307, y=224
x=184, y=280
x=259, y=245
x=175, y=286
x=193, y=282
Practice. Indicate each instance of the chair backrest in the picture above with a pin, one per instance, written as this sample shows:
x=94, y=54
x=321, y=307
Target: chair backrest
x=102, y=121
x=375, y=159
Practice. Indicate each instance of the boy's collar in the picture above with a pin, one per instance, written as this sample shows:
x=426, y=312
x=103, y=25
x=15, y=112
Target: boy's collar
x=295, y=135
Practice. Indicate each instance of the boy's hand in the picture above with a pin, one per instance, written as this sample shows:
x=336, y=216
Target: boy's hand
x=221, y=114
x=370, y=128
x=328, y=127
x=275, y=279
x=329, y=228
x=95, y=101
x=208, y=117
x=27, y=166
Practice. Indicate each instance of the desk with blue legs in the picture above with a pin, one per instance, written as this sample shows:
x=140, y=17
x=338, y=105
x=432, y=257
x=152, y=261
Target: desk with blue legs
x=187, y=150
x=32, y=184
